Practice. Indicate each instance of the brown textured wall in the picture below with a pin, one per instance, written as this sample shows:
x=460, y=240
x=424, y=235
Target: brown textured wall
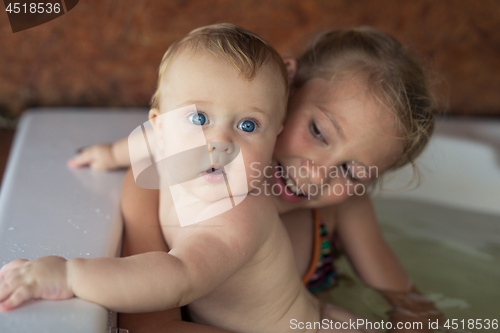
x=106, y=52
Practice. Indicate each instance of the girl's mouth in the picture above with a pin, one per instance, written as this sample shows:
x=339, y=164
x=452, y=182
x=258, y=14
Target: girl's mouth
x=214, y=175
x=289, y=190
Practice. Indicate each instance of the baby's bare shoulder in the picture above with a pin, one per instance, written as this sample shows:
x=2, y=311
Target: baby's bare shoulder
x=248, y=225
x=254, y=214
x=240, y=224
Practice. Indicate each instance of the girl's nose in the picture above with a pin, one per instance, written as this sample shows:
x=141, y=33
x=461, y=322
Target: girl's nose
x=316, y=172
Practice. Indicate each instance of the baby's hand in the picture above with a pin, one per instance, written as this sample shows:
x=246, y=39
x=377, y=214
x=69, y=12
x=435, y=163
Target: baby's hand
x=22, y=280
x=98, y=158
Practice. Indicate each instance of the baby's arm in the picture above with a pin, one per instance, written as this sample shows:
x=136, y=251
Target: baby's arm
x=142, y=233
x=103, y=157
x=147, y=282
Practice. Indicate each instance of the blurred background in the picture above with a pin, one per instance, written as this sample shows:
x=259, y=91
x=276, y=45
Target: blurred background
x=106, y=53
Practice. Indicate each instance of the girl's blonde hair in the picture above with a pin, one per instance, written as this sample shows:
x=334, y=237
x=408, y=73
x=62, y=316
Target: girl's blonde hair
x=393, y=77
x=241, y=48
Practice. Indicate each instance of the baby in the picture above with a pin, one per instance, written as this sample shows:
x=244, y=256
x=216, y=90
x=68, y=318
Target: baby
x=235, y=267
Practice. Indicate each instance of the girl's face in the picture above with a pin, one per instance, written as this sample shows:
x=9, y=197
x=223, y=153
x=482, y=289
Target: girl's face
x=336, y=140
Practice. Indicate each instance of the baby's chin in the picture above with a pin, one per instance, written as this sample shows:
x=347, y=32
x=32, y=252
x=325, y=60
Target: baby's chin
x=209, y=193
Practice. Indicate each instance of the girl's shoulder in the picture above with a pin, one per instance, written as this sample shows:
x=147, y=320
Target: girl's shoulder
x=332, y=215
x=328, y=216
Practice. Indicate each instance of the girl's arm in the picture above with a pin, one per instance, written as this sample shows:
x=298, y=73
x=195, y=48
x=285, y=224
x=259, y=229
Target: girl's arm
x=103, y=157
x=367, y=250
x=110, y=156
x=376, y=264
x=142, y=232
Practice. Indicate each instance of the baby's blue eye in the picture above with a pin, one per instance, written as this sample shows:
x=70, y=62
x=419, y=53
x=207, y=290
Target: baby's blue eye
x=198, y=119
x=247, y=126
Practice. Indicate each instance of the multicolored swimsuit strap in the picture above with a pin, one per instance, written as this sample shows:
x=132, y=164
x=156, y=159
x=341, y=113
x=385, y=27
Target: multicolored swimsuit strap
x=321, y=274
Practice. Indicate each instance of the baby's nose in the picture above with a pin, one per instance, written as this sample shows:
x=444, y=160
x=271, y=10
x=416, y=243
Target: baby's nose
x=227, y=147
x=223, y=152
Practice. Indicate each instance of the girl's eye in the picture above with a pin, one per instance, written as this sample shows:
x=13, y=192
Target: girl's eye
x=247, y=126
x=316, y=132
x=198, y=119
x=347, y=172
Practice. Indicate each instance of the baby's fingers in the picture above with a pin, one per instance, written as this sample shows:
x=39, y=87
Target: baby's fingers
x=18, y=297
x=84, y=158
x=8, y=283
x=10, y=266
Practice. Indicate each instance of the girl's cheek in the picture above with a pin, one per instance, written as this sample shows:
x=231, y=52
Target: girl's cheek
x=338, y=191
x=297, y=138
x=302, y=142
x=293, y=139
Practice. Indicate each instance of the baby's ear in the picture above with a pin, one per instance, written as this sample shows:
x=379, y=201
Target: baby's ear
x=291, y=67
x=155, y=120
x=281, y=129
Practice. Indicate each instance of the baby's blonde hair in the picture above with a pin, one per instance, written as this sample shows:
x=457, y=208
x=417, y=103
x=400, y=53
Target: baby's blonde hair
x=243, y=49
x=392, y=75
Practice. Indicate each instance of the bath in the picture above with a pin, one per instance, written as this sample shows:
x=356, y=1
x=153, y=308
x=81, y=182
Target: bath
x=446, y=232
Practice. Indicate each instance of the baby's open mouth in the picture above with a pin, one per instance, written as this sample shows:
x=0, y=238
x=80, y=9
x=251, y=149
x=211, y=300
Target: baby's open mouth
x=290, y=184
x=214, y=175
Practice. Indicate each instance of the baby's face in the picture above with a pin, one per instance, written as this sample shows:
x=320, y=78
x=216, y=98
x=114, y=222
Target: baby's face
x=207, y=106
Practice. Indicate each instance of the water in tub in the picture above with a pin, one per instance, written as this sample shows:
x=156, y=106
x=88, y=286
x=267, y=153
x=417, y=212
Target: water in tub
x=459, y=272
